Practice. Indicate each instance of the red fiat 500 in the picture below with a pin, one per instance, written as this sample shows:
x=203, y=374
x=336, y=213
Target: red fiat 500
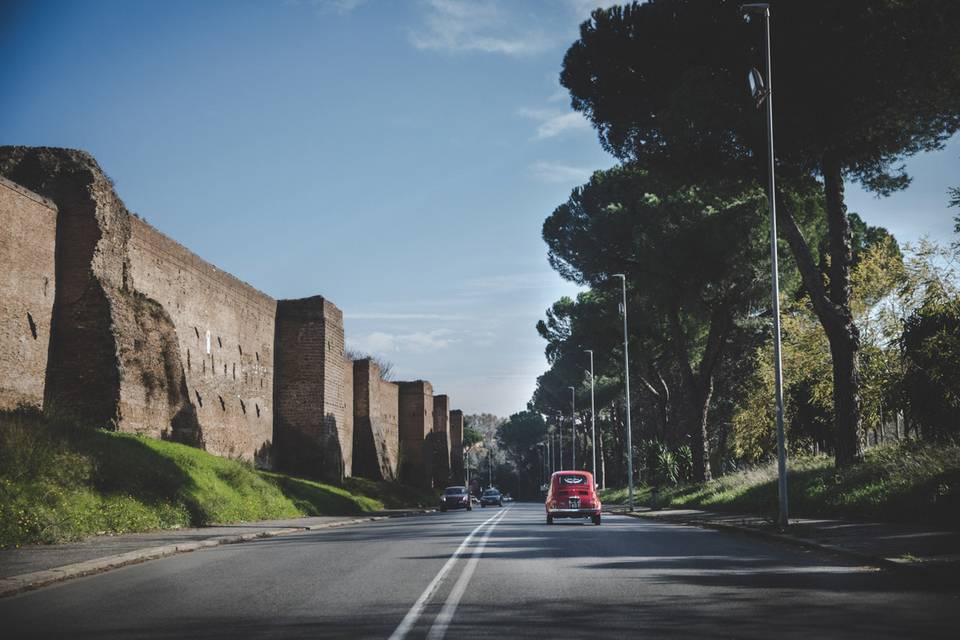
x=573, y=494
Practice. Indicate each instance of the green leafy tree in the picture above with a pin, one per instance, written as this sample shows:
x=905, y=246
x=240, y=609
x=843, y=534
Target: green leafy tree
x=859, y=85
x=692, y=256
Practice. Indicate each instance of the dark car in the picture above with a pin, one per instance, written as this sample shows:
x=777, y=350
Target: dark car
x=573, y=494
x=491, y=497
x=455, y=498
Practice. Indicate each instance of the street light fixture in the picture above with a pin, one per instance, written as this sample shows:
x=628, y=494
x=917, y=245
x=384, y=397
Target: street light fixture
x=573, y=427
x=626, y=377
x=593, y=418
x=762, y=91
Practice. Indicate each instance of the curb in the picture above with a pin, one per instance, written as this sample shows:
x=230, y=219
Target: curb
x=876, y=561
x=29, y=581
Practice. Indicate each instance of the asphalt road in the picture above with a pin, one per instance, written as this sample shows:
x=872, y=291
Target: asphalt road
x=451, y=575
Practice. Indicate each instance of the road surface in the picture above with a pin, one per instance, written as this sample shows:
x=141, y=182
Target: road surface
x=489, y=573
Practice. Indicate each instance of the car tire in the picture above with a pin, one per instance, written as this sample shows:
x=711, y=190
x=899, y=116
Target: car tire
x=549, y=519
x=443, y=509
x=596, y=520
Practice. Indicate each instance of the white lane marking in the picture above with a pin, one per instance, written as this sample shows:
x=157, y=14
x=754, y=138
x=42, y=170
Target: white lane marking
x=439, y=628
x=411, y=618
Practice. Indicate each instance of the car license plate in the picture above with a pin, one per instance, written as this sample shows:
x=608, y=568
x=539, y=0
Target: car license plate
x=574, y=503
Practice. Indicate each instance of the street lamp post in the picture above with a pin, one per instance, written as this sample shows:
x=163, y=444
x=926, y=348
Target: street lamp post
x=626, y=373
x=763, y=94
x=593, y=418
x=573, y=427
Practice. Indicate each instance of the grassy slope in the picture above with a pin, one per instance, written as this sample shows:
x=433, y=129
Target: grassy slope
x=912, y=482
x=58, y=483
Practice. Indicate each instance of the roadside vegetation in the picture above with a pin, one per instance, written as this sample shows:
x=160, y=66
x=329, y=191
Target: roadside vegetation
x=910, y=481
x=60, y=483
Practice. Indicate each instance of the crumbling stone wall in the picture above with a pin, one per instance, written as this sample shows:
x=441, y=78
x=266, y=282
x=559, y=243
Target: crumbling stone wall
x=415, y=409
x=439, y=441
x=375, y=435
x=116, y=358
x=222, y=342
x=84, y=364
x=310, y=425
x=29, y=224
x=456, y=445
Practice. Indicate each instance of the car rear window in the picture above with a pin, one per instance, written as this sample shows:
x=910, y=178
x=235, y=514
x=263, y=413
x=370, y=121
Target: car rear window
x=491, y=492
x=573, y=480
x=455, y=491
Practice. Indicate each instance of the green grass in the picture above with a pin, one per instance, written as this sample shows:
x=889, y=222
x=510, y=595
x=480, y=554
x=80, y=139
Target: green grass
x=60, y=483
x=908, y=482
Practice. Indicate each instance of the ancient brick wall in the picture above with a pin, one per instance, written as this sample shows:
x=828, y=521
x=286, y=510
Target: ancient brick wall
x=310, y=427
x=83, y=367
x=456, y=445
x=440, y=441
x=29, y=226
x=223, y=338
x=415, y=409
x=375, y=434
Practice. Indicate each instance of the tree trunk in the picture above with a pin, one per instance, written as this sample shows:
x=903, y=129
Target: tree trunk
x=833, y=309
x=698, y=386
x=843, y=335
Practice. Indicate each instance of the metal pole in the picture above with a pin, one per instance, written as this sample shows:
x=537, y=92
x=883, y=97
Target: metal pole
x=573, y=427
x=626, y=370
x=783, y=519
x=593, y=419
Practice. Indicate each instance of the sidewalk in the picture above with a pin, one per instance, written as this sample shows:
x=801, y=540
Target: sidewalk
x=888, y=545
x=35, y=566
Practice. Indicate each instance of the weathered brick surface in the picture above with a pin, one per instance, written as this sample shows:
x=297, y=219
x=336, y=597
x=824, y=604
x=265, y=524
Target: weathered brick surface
x=29, y=224
x=440, y=441
x=311, y=431
x=375, y=434
x=456, y=445
x=83, y=367
x=415, y=410
x=223, y=339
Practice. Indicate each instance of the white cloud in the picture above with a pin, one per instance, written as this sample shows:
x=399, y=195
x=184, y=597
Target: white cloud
x=341, y=7
x=381, y=343
x=554, y=123
x=388, y=316
x=475, y=25
x=560, y=173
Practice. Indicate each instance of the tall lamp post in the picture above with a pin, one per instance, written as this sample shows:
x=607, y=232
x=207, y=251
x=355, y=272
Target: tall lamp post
x=762, y=90
x=626, y=374
x=593, y=418
x=573, y=427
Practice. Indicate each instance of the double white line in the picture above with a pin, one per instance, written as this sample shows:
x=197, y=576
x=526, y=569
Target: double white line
x=439, y=628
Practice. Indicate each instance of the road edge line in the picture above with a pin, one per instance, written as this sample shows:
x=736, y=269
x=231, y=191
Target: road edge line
x=13, y=585
x=876, y=561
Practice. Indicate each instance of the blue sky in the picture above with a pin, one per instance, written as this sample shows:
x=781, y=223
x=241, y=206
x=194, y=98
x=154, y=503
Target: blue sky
x=398, y=158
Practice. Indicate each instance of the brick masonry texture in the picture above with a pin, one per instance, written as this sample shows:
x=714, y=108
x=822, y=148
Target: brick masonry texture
x=108, y=320
x=440, y=441
x=29, y=224
x=456, y=445
x=224, y=331
x=375, y=430
x=310, y=424
x=415, y=423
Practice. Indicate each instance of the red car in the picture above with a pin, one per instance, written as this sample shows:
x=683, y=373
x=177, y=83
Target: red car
x=573, y=494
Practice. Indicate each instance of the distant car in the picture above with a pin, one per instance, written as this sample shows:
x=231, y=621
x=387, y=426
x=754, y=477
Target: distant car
x=455, y=498
x=491, y=497
x=507, y=497
x=573, y=494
